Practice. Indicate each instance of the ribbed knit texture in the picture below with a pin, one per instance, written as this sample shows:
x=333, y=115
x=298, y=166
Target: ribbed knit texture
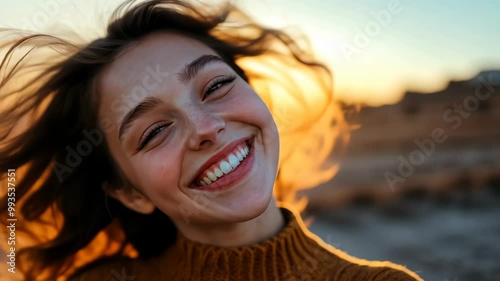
x=293, y=254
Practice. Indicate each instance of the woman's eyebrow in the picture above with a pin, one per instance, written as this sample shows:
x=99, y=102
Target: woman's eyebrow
x=146, y=105
x=190, y=70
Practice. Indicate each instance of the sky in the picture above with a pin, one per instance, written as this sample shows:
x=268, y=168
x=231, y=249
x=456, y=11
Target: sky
x=377, y=49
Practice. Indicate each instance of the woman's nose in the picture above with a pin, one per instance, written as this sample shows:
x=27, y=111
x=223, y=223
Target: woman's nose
x=205, y=129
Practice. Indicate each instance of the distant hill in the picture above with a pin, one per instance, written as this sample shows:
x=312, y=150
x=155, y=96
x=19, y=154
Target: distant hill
x=434, y=141
x=489, y=78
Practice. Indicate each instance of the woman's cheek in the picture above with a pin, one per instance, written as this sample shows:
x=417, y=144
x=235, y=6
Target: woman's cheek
x=159, y=172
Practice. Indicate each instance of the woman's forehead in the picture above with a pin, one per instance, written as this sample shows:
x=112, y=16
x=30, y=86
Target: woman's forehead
x=157, y=56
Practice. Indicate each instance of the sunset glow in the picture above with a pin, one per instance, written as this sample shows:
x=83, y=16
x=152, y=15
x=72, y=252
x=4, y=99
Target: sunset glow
x=376, y=49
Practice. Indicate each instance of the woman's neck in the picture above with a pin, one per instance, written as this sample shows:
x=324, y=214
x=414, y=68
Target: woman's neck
x=260, y=228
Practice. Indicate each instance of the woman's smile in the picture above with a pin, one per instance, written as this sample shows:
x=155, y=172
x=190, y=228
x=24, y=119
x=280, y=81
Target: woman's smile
x=235, y=164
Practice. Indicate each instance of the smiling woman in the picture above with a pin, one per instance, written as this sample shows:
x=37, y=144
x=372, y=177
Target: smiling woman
x=202, y=128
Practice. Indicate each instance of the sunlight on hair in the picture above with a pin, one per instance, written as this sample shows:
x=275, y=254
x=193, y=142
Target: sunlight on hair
x=302, y=112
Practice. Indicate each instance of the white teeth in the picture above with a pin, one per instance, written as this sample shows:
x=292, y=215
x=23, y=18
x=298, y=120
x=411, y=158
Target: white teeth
x=207, y=180
x=218, y=172
x=225, y=167
x=239, y=156
x=233, y=161
x=211, y=176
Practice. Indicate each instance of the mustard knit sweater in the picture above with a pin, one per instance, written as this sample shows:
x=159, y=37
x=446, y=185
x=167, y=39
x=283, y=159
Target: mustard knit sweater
x=293, y=254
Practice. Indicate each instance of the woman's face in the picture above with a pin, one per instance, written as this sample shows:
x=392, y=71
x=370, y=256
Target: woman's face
x=188, y=132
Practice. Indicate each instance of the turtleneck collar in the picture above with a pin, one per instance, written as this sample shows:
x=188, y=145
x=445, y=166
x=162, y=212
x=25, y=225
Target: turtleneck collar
x=271, y=259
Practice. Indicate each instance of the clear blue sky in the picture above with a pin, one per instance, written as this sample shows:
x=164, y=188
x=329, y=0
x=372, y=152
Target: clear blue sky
x=415, y=44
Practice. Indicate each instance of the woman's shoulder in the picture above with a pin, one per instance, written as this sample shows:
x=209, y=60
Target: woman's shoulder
x=352, y=268
x=347, y=267
x=326, y=262
x=334, y=264
x=390, y=271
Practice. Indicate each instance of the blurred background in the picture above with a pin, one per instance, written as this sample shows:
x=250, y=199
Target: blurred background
x=420, y=80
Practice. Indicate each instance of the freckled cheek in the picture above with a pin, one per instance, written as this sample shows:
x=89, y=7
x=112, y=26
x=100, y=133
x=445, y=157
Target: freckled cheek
x=255, y=112
x=258, y=115
x=249, y=108
x=161, y=174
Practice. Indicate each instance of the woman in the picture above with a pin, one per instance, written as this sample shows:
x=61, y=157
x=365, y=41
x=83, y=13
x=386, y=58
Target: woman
x=156, y=160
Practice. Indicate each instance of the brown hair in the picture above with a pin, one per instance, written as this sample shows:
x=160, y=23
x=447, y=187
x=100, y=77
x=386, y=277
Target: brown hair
x=46, y=122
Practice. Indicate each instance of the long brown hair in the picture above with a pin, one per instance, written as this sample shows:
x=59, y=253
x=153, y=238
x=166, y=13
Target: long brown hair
x=51, y=134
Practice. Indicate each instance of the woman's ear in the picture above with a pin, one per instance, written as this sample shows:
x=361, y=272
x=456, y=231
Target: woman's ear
x=132, y=199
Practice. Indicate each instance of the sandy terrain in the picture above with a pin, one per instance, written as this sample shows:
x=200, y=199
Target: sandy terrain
x=453, y=237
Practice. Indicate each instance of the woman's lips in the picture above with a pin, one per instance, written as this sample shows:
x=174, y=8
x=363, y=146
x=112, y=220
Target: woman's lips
x=224, y=166
x=235, y=165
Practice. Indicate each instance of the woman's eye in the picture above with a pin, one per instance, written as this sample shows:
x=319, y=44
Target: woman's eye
x=218, y=83
x=150, y=134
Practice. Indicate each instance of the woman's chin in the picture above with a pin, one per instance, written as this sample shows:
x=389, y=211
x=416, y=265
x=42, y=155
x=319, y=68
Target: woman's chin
x=250, y=209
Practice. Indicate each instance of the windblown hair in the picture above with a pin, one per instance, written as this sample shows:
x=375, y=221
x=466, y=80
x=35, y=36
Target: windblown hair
x=65, y=219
